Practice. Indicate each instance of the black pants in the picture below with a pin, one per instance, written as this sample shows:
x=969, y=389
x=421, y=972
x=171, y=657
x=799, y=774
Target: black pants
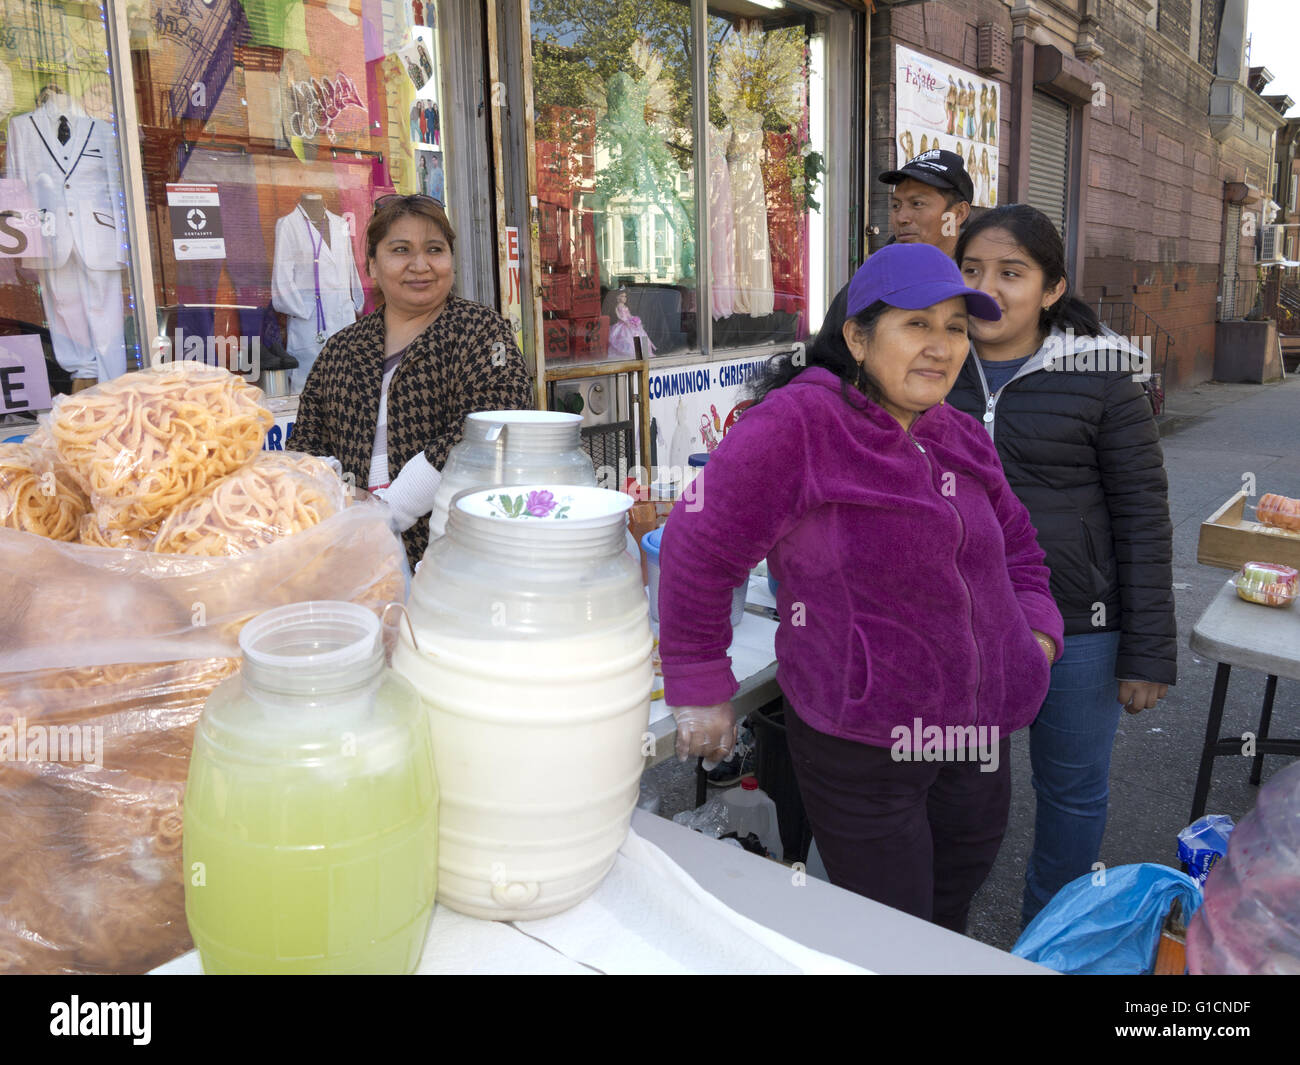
x=918, y=836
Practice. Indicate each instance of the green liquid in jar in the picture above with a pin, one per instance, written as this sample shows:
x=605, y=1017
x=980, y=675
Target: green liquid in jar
x=311, y=862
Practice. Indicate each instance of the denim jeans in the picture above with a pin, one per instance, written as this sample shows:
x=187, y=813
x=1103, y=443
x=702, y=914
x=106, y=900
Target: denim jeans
x=1069, y=752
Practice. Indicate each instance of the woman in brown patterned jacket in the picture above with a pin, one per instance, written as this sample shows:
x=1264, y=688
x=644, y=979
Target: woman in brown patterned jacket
x=391, y=392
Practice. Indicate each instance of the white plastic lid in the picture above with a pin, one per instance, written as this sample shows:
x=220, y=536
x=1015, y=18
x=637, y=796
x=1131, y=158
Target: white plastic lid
x=527, y=417
x=319, y=636
x=542, y=505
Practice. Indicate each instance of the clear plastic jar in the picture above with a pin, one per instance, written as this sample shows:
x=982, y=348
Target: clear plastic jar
x=512, y=447
x=532, y=653
x=311, y=813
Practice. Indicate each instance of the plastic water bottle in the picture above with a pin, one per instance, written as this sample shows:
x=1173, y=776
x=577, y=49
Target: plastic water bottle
x=750, y=809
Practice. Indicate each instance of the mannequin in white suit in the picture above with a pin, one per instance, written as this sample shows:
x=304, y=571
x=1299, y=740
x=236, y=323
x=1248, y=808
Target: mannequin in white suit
x=314, y=280
x=69, y=163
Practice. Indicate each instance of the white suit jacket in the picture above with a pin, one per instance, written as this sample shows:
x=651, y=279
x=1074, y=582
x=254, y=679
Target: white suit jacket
x=293, y=284
x=77, y=186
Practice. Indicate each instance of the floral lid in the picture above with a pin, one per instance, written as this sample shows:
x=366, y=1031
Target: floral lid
x=570, y=505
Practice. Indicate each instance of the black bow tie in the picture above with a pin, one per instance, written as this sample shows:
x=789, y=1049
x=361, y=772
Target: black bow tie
x=65, y=130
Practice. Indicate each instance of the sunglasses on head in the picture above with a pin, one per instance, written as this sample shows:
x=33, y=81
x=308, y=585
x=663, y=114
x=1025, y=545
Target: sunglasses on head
x=394, y=197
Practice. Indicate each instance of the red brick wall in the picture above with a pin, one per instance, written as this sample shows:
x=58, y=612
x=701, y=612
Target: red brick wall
x=1152, y=230
x=948, y=32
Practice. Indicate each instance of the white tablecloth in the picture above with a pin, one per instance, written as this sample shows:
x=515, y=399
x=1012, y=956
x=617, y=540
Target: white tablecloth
x=647, y=916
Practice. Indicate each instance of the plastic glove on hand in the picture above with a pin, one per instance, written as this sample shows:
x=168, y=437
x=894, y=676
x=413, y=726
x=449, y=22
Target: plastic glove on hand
x=410, y=497
x=707, y=732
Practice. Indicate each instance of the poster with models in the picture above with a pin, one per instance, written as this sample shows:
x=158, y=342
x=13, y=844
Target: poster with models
x=942, y=106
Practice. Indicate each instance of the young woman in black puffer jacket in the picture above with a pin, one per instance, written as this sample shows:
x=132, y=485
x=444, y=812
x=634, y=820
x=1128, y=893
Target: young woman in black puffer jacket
x=1063, y=401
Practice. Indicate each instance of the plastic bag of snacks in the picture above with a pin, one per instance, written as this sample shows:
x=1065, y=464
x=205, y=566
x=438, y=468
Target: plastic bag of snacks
x=276, y=495
x=1267, y=583
x=1250, y=922
x=141, y=444
x=1279, y=512
x=106, y=658
x=37, y=496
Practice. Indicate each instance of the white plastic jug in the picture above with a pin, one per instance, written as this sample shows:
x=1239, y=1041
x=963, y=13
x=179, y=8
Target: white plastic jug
x=532, y=652
x=750, y=809
x=512, y=447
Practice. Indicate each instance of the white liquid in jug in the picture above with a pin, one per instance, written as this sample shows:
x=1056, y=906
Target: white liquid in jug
x=538, y=747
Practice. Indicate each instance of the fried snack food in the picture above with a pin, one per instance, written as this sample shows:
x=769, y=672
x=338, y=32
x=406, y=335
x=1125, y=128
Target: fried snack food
x=90, y=850
x=103, y=892
x=273, y=497
x=101, y=888
x=1281, y=512
x=92, y=532
x=144, y=442
x=36, y=496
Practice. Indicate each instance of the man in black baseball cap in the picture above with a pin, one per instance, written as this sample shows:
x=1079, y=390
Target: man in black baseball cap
x=931, y=202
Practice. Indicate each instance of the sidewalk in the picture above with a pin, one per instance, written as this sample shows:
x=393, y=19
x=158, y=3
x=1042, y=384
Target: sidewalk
x=1185, y=407
x=1212, y=435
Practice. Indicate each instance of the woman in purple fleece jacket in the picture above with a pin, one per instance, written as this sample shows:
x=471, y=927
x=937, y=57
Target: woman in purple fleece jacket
x=917, y=628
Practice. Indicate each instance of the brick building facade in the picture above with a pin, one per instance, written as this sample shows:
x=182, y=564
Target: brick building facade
x=1163, y=127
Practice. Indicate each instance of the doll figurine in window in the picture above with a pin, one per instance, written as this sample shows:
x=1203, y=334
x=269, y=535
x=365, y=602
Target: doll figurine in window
x=625, y=329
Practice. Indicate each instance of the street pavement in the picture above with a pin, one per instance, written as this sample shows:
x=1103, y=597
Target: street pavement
x=1212, y=436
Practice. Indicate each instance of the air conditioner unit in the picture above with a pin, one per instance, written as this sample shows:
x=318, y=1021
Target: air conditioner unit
x=1270, y=244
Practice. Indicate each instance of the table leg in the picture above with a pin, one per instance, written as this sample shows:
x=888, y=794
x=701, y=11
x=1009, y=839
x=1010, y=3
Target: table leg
x=1211, y=736
x=1257, y=765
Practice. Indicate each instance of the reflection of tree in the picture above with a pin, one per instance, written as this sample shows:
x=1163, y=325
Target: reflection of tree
x=639, y=164
x=579, y=45
x=630, y=63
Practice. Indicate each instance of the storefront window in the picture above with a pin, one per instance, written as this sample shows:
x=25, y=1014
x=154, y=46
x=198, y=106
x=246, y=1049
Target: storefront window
x=765, y=167
x=269, y=128
x=65, y=296
x=615, y=154
x=616, y=175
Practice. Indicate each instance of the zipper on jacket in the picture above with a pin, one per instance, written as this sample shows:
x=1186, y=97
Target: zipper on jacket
x=991, y=399
x=970, y=599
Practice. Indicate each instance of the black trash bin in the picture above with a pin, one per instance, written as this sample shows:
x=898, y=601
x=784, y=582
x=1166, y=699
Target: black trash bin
x=774, y=769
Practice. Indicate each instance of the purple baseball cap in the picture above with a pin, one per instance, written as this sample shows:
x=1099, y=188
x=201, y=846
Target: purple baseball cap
x=912, y=276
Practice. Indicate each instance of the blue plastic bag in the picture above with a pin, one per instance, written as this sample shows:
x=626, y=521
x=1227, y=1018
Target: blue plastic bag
x=1108, y=922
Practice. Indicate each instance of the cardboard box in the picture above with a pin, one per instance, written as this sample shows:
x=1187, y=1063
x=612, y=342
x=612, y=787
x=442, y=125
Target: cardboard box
x=557, y=292
x=565, y=256
x=584, y=240
x=1230, y=539
x=548, y=232
x=552, y=177
x=589, y=337
x=555, y=337
x=585, y=301
x=572, y=131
